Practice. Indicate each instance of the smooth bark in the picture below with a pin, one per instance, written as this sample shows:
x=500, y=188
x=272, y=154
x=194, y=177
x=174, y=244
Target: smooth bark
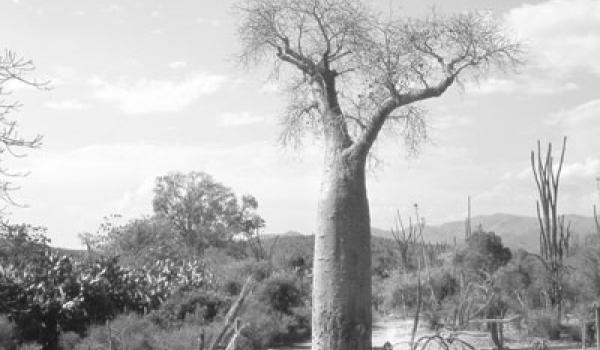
x=342, y=266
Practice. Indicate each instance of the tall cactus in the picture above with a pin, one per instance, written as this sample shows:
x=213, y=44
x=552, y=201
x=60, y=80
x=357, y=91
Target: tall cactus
x=554, y=235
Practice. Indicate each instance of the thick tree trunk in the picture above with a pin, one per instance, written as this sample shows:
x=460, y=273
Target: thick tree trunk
x=341, y=317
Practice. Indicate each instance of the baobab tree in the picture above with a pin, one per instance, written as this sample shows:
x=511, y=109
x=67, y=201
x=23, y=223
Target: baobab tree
x=352, y=74
x=13, y=69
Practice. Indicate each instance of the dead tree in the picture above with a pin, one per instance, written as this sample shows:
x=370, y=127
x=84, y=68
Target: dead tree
x=555, y=236
x=13, y=69
x=230, y=320
x=409, y=239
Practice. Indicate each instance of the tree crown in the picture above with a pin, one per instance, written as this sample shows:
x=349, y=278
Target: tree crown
x=358, y=70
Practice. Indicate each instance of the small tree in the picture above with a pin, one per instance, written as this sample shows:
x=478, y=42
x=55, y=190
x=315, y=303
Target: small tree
x=555, y=236
x=13, y=69
x=202, y=211
x=409, y=238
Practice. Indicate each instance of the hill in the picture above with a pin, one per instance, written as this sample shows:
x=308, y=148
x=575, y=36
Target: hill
x=518, y=232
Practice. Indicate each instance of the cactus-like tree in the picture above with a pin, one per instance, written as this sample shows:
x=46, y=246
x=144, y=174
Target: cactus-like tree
x=555, y=235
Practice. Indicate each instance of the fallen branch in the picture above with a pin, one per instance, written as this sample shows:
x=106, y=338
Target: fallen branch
x=232, y=313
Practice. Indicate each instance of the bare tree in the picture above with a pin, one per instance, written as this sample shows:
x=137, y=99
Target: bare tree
x=410, y=238
x=555, y=236
x=13, y=69
x=354, y=74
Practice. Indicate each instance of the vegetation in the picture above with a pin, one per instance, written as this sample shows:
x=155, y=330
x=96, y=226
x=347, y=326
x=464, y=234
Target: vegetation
x=198, y=273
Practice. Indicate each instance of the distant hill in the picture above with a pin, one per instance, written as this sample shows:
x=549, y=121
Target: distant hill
x=516, y=231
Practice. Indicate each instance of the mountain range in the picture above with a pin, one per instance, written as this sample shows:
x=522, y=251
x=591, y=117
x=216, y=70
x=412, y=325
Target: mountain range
x=517, y=232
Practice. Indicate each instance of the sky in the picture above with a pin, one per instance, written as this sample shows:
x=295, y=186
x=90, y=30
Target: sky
x=143, y=88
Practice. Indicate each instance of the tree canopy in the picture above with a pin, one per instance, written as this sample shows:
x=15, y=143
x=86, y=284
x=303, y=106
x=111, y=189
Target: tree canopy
x=380, y=65
x=202, y=211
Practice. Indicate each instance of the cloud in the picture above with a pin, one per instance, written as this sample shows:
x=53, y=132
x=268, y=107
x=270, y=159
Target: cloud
x=530, y=84
x=177, y=64
x=67, y=105
x=210, y=21
x=579, y=114
x=70, y=191
x=564, y=35
x=449, y=121
x=152, y=96
x=584, y=169
x=240, y=119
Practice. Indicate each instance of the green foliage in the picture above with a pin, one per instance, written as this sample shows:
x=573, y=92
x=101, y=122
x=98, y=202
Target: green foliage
x=543, y=324
x=268, y=327
x=7, y=334
x=45, y=294
x=68, y=340
x=198, y=307
x=203, y=212
x=280, y=293
x=484, y=253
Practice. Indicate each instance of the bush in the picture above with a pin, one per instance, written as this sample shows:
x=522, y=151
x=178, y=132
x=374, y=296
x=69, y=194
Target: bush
x=280, y=293
x=130, y=332
x=543, y=324
x=6, y=334
x=68, y=341
x=265, y=327
x=29, y=346
x=200, y=307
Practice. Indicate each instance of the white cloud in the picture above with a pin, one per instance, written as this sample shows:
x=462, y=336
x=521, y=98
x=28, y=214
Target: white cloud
x=67, y=105
x=210, y=21
x=177, y=64
x=564, y=35
x=530, y=84
x=113, y=8
x=580, y=114
x=449, y=121
x=71, y=191
x=584, y=169
x=240, y=119
x=151, y=96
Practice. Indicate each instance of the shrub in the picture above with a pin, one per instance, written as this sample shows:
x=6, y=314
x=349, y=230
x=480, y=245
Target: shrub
x=199, y=307
x=280, y=293
x=6, y=334
x=29, y=346
x=130, y=332
x=68, y=341
x=543, y=324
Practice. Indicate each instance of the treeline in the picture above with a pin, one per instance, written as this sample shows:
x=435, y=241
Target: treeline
x=156, y=281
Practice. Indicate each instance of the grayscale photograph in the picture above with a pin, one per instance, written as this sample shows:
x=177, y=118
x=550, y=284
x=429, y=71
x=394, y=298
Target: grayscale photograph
x=300, y=175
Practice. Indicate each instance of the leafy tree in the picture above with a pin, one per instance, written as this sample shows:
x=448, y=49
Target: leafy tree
x=353, y=74
x=484, y=253
x=136, y=242
x=201, y=211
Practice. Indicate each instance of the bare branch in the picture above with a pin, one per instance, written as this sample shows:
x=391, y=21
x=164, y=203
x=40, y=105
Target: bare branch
x=14, y=69
x=382, y=65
